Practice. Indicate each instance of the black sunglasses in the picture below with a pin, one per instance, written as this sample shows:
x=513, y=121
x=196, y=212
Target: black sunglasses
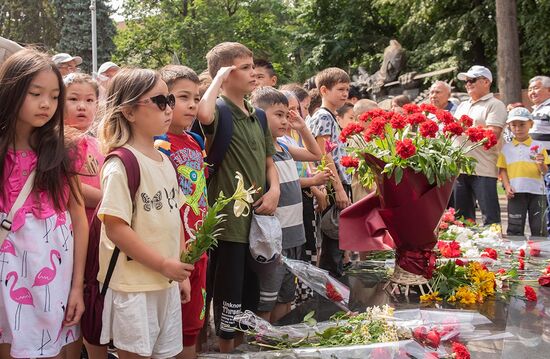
x=161, y=101
x=473, y=81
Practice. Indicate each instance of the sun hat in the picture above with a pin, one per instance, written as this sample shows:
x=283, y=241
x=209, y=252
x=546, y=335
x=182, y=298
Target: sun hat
x=106, y=66
x=519, y=114
x=62, y=58
x=475, y=72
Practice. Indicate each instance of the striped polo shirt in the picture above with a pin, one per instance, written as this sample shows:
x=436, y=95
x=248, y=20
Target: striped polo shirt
x=517, y=158
x=289, y=210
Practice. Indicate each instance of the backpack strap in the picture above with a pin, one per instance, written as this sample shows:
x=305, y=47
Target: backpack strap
x=131, y=166
x=197, y=138
x=224, y=132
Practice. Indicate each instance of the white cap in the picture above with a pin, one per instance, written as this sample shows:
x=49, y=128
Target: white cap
x=519, y=114
x=62, y=58
x=106, y=66
x=475, y=72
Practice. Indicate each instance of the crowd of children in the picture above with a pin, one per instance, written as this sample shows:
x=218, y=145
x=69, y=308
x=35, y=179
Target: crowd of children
x=60, y=167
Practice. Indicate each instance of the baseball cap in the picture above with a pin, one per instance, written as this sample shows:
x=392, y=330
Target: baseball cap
x=61, y=58
x=265, y=238
x=106, y=66
x=475, y=72
x=519, y=114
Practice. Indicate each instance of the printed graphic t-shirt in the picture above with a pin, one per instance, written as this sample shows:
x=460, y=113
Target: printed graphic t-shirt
x=187, y=156
x=156, y=220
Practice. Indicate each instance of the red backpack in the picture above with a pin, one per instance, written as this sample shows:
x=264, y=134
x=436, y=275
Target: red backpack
x=91, y=322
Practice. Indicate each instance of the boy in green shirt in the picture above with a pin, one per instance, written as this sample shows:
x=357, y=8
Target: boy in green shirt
x=235, y=286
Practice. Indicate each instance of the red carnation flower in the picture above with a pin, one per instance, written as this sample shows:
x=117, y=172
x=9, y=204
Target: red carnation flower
x=460, y=351
x=448, y=217
x=475, y=134
x=444, y=116
x=522, y=253
x=534, y=249
x=466, y=121
x=349, y=161
x=449, y=249
x=350, y=130
x=544, y=280
x=377, y=127
x=491, y=139
x=332, y=293
x=460, y=262
x=530, y=294
x=405, y=148
x=534, y=148
x=411, y=108
x=433, y=339
x=398, y=121
x=489, y=253
x=416, y=118
x=375, y=112
x=443, y=226
x=428, y=128
x=453, y=128
x=521, y=264
x=427, y=107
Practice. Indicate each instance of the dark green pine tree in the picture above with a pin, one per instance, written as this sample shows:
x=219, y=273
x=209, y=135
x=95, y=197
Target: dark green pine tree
x=76, y=31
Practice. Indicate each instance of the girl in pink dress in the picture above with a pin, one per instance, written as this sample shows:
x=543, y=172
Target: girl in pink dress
x=81, y=93
x=43, y=256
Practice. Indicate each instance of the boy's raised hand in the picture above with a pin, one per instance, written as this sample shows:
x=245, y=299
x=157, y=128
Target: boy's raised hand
x=296, y=121
x=224, y=72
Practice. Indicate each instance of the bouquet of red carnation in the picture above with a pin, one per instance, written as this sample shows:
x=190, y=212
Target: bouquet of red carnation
x=320, y=281
x=414, y=159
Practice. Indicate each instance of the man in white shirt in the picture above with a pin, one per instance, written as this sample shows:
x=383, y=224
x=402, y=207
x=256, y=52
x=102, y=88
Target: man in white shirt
x=539, y=94
x=486, y=111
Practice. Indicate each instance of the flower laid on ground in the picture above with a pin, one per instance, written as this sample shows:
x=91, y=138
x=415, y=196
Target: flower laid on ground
x=490, y=253
x=460, y=351
x=521, y=264
x=414, y=140
x=449, y=249
x=430, y=297
x=467, y=284
x=544, y=279
x=332, y=293
x=530, y=293
x=205, y=236
x=534, y=248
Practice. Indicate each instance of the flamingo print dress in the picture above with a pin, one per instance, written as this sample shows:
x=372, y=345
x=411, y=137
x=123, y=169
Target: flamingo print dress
x=36, y=264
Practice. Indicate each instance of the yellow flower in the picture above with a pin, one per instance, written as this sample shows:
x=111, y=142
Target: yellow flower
x=243, y=197
x=430, y=297
x=465, y=295
x=451, y=299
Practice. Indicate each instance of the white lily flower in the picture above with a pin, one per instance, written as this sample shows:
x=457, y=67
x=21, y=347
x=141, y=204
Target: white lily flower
x=243, y=197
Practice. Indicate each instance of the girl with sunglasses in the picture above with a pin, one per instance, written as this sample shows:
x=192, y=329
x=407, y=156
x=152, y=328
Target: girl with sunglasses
x=142, y=310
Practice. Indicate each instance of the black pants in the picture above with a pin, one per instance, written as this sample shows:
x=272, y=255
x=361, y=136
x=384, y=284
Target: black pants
x=332, y=256
x=235, y=285
x=523, y=205
x=468, y=189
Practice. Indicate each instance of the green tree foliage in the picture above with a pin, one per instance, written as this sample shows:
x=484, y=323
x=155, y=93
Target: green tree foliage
x=29, y=22
x=157, y=31
x=303, y=36
x=76, y=30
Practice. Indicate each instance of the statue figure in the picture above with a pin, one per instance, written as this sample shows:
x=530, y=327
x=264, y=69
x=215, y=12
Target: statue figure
x=7, y=48
x=392, y=64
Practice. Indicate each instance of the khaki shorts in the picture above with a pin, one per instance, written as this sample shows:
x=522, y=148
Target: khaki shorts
x=145, y=323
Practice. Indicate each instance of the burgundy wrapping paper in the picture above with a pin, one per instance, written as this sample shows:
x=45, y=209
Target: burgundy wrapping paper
x=409, y=211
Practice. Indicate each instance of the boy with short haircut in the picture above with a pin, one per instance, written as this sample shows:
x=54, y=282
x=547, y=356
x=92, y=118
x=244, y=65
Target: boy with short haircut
x=187, y=155
x=522, y=164
x=333, y=84
x=235, y=285
x=277, y=287
x=265, y=73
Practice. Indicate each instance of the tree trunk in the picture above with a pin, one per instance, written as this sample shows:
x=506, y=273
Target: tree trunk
x=509, y=69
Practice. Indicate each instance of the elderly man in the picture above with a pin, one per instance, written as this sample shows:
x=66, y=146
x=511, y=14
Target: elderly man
x=486, y=111
x=539, y=94
x=105, y=73
x=440, y=92
x=66, y=63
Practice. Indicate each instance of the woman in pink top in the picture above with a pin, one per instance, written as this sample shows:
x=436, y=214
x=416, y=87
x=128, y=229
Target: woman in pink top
x=44, y=253
x=80, y=110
